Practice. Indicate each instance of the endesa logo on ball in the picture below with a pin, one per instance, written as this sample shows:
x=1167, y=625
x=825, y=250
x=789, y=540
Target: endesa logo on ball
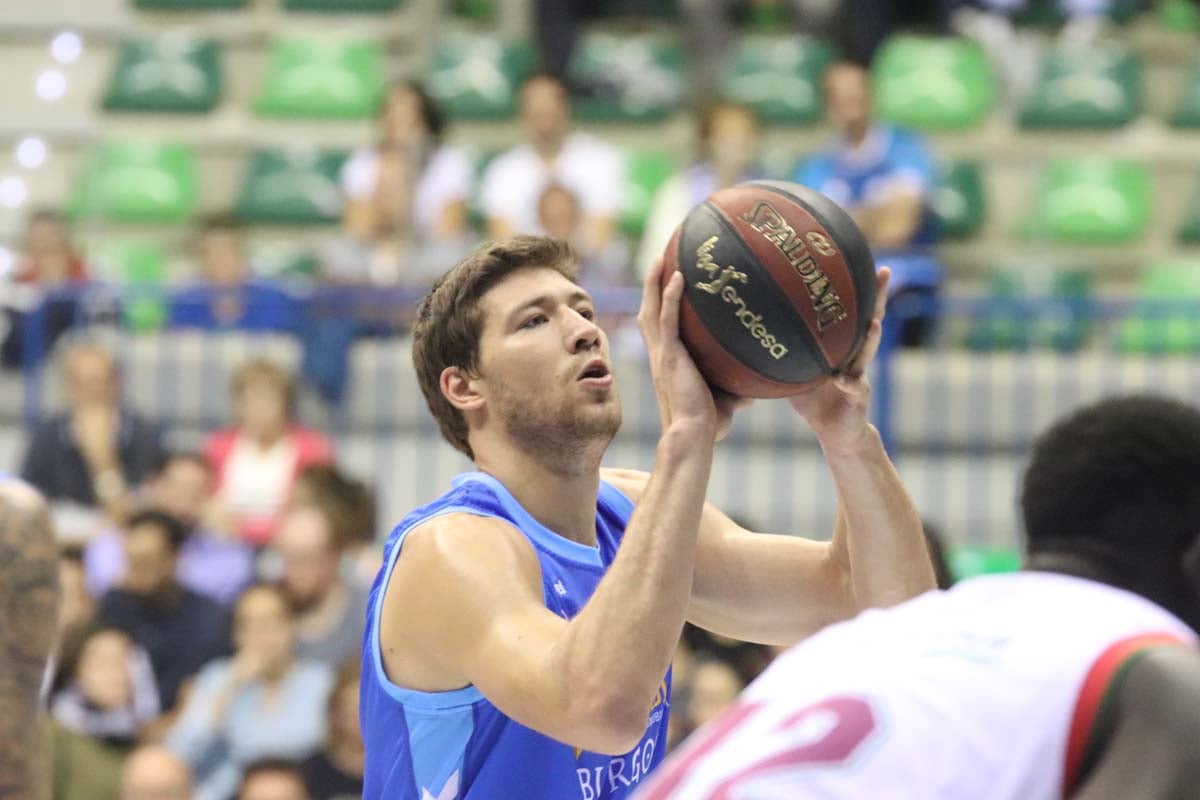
x=719, y=283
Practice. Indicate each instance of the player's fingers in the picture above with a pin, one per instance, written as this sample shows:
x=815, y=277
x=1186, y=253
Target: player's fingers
x=669, y=313
x=858, y=366
x=651, y=294
x=730, y=402
x=883, y=279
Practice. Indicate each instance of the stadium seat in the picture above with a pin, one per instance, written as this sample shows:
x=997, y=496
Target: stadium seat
x=958, y=199
x=1050, y=12
x=141, y=270
x=1003, y=322
x=342, y=6
x=137, y=181
x=967, y=562
x=1189, y=231
x=188, y=5
x=322, y=77
x=1187, y=109
x=483, y=11
x=645, y=172
x=1091, y=200
x=1181, y=16
x=297, y=186
x=1158, y=324
x=477, y=75
x=934, y=84
x=1092, y=86
x=631, y=77
x=778, y=76
x=172, y=73
x=1055, y=313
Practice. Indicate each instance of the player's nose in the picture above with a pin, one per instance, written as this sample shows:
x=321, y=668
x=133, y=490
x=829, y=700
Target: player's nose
x=583, y=335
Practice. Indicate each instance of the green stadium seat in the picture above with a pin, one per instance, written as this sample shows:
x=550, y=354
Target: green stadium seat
x=1187, y=109
x=298, y=187
x=1091, y=200
x=189, y=5
x=1048, y=13
x=1157, y=325
x=137, y=181
x=933, y=84
x=1097, y=86
x=322, y=77
x=140, y=269
x=477, y=75
x=967, y=562
x=958, y=199
x=645, y=172
x=778, y=76
x=1181, y=16
x=342, y=6
x=483, y=11
x=1189, y=231
x=165, y=74
x=1003, y=323
x=633, y=77
x=1060, y=320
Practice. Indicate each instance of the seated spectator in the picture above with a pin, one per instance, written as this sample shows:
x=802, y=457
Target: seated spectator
x=256, y=462
x=262, y=703
x=336, y=773
x=77, y=606
x=588, y=168
x=559, y=216
x=211, y=563
x=45, y=280
x=329, y=611
x=729, y=140
x=93, y=453
x=181, y=630
x=714, y=686
x=273, y=779
x=883, y=177
x=81, y=767
x=154, y=773
x=105, y=686
x=228, y=296
x=406, y=197
x=352, y=504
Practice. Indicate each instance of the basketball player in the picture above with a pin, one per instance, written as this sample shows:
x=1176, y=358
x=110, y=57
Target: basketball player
x=28, y=612
x=520, y=632
x=1078, y=678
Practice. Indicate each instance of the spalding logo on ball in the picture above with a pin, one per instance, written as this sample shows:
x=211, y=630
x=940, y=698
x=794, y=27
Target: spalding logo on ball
x=779, y=288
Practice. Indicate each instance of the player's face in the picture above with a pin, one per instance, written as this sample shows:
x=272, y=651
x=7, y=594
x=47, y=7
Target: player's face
x=544, y=363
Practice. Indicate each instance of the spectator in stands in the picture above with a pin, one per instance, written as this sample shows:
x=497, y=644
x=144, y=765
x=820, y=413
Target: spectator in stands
x=729, y=140
x=336, y=773
x=554, y=154
x=353, y=505
x=94, y=452
x=714, y=685
x=181, y=630
x=257, y=461
x=883, y=176
x=154, y=773
x=47, y=278
x=406, y=197
x=104, y=687
x=273, y=779
x=559, y=215
x=262, y=703
x=329, y=611
x=211, y=562
x=228, y=296
x=77, y=607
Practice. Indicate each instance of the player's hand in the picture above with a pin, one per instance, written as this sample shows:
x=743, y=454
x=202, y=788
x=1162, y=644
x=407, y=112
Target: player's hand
x=683, y=395
x=836, y=410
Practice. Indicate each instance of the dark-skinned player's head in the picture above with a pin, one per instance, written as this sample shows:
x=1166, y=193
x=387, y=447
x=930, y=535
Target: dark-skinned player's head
x=1115, y=488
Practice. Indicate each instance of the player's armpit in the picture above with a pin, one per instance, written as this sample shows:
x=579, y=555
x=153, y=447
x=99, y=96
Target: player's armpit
x=465, y=606
x=1149, y=751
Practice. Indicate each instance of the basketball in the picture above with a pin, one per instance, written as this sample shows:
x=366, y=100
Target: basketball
x=779, y=288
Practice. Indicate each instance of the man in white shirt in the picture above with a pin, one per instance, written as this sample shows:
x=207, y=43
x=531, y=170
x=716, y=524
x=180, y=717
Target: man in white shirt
x=554, y=154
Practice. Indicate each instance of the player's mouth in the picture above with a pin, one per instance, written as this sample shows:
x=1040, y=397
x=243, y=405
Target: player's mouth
x=595, y=374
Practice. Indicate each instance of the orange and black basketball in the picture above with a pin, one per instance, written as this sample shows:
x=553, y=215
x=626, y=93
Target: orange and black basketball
x=779, y=288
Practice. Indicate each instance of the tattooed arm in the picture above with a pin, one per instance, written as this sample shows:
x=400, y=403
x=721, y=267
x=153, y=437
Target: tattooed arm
x=28, y=618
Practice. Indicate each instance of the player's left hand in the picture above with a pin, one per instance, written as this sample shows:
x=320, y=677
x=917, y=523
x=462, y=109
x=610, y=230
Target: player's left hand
x=836, y=410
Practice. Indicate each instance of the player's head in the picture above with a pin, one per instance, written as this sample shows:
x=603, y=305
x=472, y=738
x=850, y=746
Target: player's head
x=1114, y=487
x=506, y=349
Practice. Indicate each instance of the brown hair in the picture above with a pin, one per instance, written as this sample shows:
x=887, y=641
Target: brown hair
x=257, y=369
x=450, y=322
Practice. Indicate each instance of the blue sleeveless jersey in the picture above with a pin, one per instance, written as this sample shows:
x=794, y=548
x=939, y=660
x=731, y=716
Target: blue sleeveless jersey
x=457, y=745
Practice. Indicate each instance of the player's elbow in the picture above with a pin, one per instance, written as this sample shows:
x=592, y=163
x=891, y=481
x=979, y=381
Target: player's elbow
x=611, y=725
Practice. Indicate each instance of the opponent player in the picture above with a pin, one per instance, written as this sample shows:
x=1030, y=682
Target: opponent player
x=28, y=614
x=1077, y=678
x=521, y=629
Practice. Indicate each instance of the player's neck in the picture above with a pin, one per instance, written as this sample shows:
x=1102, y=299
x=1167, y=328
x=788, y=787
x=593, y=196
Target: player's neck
x=563, y=501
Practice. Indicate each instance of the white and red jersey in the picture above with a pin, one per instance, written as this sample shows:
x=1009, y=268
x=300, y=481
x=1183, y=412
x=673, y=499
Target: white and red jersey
x=988, y=691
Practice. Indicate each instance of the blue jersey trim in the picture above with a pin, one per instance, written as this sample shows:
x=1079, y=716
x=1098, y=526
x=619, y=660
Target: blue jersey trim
x=536, y=531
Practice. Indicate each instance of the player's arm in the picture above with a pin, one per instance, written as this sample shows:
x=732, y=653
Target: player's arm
x=1152, y=748
x=28, y=619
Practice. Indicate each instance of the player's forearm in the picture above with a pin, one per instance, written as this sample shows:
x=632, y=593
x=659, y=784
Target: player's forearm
x=620, y=645
x=878, y=538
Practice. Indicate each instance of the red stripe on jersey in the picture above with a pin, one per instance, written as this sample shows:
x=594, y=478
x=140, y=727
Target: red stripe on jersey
x=1100, y=679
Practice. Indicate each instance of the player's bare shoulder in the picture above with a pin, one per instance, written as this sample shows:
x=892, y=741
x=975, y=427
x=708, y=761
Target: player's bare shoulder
x=459, y=543
x=631, y=482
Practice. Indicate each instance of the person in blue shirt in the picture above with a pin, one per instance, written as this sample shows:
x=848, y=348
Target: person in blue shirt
x=520, y=631
x=883, y=176
x=228, y=298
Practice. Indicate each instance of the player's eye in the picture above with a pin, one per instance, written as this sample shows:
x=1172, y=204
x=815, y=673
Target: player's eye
x=587, y=313
x=533, y=322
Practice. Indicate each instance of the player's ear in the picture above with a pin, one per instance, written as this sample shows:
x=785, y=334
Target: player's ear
x=461, y=389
